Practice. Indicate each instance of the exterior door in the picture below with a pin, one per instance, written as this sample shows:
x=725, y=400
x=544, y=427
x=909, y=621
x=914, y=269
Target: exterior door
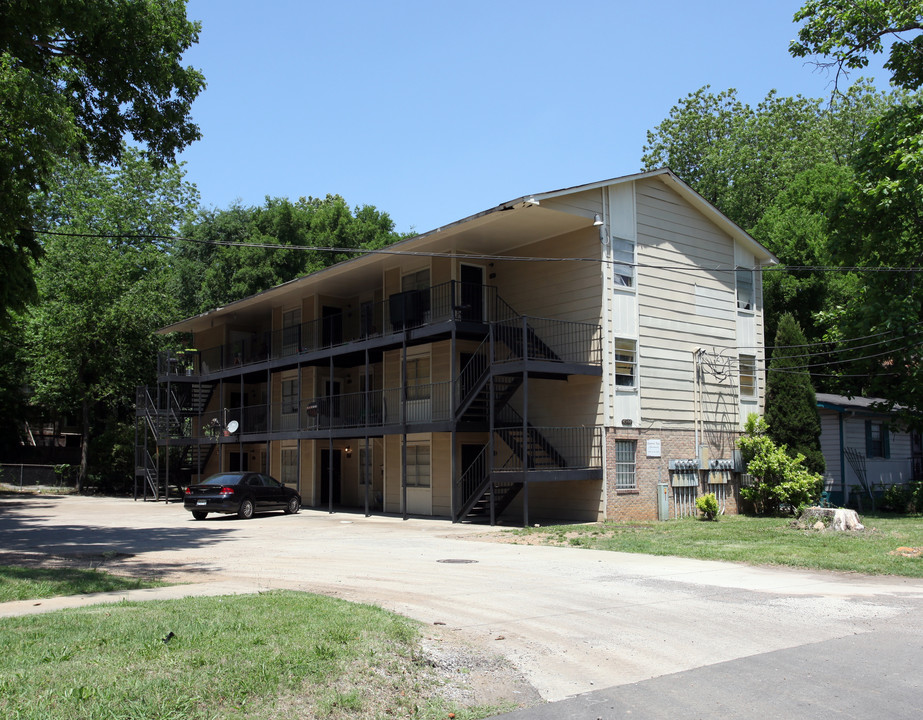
x=472, y=293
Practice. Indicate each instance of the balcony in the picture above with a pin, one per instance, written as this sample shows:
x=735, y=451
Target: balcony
x=517, y=337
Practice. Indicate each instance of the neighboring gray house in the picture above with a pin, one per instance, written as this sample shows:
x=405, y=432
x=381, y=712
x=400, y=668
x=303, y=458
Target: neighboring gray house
x=862, y=447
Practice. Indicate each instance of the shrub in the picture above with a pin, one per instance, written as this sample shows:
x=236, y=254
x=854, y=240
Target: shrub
x=708, y=506
x=782, y=483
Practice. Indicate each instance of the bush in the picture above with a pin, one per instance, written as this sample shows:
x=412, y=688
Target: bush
x=781, y=482
x=906, y=498
x=708, y=506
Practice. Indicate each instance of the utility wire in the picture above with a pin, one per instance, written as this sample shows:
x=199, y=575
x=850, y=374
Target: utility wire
x=678, y=267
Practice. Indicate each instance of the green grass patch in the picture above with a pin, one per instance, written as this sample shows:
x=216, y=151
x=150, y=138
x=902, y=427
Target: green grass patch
x=25, y=583
x=758, y=541
x=274, y=655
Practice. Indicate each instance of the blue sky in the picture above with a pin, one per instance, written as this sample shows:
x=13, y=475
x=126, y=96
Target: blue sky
x=433, y=111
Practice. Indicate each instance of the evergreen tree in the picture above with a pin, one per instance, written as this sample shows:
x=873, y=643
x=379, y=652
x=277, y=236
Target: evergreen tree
x=791, y=404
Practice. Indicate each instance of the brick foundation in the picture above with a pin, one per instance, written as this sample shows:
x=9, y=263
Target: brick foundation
x=641, y=502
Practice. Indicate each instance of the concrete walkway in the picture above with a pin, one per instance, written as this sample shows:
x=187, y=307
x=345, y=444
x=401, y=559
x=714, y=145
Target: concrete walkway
x=573, y=621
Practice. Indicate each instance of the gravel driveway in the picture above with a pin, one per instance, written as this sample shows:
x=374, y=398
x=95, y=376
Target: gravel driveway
x=570, y=620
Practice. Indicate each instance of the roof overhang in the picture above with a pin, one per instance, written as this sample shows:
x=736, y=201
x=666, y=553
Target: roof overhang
x=499, y=230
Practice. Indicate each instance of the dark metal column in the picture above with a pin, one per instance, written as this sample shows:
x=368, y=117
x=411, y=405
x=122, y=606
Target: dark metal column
x=455, y=475
x=367, y=403
x=404, y=422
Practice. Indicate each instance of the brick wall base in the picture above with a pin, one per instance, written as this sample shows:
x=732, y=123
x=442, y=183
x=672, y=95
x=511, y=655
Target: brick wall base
x=640, y=503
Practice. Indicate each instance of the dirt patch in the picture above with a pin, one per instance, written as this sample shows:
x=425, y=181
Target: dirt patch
x=473, y=675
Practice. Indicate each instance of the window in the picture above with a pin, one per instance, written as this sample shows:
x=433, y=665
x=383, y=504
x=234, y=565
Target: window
x=289, y=397
x=418, y=280
x=289, y=466
x=747, y=377
x=418, y=466
x=418, y=380
x=623, y=255
x=291, y=331
x=625, y=362
x=365, y=458
x=625, y=465
x=877, y=440
x=744, y=289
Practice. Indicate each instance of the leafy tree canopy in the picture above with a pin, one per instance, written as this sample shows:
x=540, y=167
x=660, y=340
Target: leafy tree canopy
x=848, y=31
x=103, y=291
x=211, y=273
x=740, y=158
x=76, y=77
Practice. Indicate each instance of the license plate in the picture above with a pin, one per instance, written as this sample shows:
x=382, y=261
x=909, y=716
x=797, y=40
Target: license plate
x=200, y=502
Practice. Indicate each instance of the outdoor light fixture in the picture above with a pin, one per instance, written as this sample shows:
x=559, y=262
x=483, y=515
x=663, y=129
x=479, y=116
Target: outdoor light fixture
x=349, y=451
x=597, y=220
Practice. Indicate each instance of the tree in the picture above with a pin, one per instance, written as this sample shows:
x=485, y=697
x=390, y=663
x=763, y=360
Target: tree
x=76, y=77
x=791, y=404
x=848, y=31
x=879, y=224
x=780, y=480
x=211, y=274
x=778, y=171
x=103, y=291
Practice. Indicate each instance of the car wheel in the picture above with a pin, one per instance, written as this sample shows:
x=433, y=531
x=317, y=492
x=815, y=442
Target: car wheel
x=245, y=512
x=199, y=514
x=293, y=506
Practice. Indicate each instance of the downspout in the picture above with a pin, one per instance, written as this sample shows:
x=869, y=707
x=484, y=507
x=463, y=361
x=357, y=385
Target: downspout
x=842, y=458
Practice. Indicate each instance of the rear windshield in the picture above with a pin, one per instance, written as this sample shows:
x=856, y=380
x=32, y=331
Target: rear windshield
x=226, y=479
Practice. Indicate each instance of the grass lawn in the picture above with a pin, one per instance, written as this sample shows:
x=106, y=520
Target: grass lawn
x=24, y=583
x=260, y=657
x=758, y=541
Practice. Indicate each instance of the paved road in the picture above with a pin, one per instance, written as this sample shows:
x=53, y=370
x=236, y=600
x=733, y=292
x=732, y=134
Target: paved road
x=618, y=634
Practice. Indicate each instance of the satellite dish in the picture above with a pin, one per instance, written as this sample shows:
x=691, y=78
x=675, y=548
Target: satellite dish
x=233, y=426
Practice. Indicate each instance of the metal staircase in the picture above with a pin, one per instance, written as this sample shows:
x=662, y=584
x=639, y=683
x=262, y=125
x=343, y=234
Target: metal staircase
x=483, y=493
x=161, y=415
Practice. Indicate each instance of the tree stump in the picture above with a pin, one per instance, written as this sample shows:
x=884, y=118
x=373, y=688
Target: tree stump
x=839, y=519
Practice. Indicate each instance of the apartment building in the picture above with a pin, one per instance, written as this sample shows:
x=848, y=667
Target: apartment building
x=581, y=354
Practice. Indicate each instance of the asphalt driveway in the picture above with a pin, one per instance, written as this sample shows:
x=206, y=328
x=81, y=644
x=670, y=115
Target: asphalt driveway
x=573, y=621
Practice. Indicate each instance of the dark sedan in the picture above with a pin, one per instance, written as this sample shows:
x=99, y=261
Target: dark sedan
x=243, y=493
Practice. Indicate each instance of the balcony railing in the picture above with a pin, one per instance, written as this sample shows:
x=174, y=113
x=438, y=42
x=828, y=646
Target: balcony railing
x=518, y=337
x=577, y=448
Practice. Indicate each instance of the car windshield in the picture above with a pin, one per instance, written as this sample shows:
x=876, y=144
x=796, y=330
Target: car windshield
x=224, y=479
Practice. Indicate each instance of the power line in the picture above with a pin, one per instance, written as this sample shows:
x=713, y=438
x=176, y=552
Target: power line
x=678, y=267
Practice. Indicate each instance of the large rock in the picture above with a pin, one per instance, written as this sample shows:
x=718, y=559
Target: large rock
x=834, y=518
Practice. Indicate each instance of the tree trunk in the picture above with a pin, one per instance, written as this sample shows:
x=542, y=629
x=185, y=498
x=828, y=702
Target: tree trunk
x=85, y=441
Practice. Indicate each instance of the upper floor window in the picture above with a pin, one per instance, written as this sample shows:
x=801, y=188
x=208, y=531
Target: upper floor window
x=625, y=362
x=744, y=288
x=623, y=267
x=289, y=396
x=747, y=377
x=418, y=280
x=418, y=378
x=291, y=331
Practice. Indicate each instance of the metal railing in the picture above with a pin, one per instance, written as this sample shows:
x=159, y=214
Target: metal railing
x=522, y=338
x=573, y=448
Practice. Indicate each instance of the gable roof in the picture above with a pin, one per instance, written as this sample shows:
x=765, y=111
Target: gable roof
x=522, y=220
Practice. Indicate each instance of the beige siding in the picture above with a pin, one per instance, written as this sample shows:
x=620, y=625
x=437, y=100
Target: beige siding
x=562, y=290
x=680, y=311
x=574, y=402
x=442, y=474
x=575, y=501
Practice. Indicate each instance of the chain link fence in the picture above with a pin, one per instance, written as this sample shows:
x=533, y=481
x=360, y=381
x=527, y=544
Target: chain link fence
x=31, y=476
